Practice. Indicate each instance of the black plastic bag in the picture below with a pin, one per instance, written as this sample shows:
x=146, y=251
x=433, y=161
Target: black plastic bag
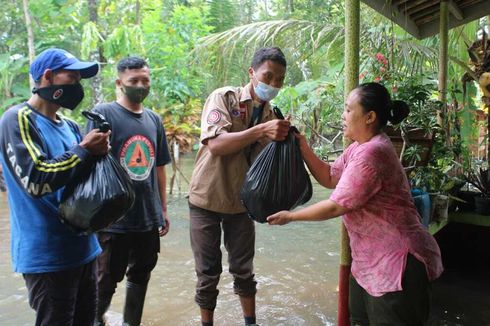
x=277, y=180
x=99, y=197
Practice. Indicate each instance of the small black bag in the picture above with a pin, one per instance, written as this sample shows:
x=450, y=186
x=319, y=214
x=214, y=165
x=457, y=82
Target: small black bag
x=99, y=197
x=277, y=180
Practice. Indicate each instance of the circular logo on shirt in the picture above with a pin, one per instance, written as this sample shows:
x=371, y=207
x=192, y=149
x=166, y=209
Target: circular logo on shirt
x=137, y=157
x=57, y=94
x=214, y=117
x=235, y=113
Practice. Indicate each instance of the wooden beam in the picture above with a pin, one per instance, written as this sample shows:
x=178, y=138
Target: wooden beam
x=454, y=10
x=391, y=12
x=399, y=2
x=427, y=19
x=425, y=13
x=419, y=5
x=471, y=11
x=423, y=6
x=468, y=3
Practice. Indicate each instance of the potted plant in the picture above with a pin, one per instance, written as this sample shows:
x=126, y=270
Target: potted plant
x=413, y=139
x=479, y=177
x=439, y=184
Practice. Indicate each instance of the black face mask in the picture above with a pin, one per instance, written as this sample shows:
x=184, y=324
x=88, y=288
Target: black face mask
x=135, y=94
x=67, y=96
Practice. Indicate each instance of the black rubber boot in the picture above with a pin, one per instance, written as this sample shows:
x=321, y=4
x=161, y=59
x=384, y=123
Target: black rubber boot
x=135, y=300
x=103, y=304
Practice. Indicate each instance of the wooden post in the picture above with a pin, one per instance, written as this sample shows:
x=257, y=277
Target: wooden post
x=443, y=64
x=351, y=50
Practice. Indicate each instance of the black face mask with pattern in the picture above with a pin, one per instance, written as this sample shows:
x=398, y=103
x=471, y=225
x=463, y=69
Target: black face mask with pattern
x=67, y=96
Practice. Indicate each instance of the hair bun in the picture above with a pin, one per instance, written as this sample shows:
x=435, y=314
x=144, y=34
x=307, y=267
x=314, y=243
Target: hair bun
x=398, y=112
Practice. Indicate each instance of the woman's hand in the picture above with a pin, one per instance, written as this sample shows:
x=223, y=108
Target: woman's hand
x=281, y=218
x=303, y=144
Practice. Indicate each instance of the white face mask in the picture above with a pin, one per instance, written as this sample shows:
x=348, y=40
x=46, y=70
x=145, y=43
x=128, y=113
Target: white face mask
x=265, y=92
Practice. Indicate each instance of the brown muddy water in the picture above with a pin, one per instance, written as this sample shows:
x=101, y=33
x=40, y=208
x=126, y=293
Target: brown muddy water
x=296, y=268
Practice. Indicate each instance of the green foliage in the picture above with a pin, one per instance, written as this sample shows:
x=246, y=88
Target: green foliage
x=176, y=76
x=477, y=174
x=194, y=46
x=125, y=40
x=11, y=68
x=90, y=39
x=419, y=93
x=433, y=180
x=222, y=15
x=316, y=107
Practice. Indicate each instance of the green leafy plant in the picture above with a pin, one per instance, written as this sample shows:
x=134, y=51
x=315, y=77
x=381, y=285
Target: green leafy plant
x=433, y=180
x=316, y=107
x=477, y=174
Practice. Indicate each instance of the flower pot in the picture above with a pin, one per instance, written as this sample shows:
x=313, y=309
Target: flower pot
x=421, y=200
x=439, y=207
x=469, y=200
x=482, y=205
x=416, y=136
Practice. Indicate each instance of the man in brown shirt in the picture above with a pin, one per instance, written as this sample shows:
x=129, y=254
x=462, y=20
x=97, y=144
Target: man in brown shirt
x=236, y=123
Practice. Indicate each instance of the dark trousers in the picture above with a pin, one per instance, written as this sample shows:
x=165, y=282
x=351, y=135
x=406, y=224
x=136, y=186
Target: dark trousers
x=133, y=254
x=239, y=239
x=409, y=307
x=64, y=298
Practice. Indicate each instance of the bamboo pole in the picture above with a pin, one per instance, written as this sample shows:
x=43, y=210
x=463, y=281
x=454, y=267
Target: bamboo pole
x=443, y=64
x=352, y=32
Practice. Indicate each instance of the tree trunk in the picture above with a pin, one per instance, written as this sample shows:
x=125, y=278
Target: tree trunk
x=138, y=12
x=289, y=6
x=30, y=36
x=95, y=56
x=266, y=10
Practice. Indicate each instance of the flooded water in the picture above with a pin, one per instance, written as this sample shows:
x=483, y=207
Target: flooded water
x=296, y=267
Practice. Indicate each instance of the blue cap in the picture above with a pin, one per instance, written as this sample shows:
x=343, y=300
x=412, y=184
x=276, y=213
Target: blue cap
x=55, y=59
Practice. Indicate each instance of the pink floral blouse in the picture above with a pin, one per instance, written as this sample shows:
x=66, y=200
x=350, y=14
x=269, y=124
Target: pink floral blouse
x=383, y=223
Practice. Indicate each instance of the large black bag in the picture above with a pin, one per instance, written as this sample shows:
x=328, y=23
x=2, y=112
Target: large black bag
x=277, y=180
x=100, y=196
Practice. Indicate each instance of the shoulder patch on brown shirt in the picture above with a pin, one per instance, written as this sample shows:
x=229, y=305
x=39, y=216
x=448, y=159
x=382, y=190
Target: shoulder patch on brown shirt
x=213, y=117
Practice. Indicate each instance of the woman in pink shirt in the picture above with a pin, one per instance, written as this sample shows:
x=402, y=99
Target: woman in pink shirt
x=393, y=256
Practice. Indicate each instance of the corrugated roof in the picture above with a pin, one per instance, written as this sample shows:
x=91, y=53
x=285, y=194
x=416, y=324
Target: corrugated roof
x=421, y=17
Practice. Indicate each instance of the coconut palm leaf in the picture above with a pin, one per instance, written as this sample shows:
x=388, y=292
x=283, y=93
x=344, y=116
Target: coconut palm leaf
x=288, y=34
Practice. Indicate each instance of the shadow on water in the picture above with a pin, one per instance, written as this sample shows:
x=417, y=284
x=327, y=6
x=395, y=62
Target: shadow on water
x=296, y=268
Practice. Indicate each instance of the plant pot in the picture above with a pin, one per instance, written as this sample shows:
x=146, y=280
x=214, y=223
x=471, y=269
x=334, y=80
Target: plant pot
x=439, y=207
x=469, y=198
x=416, y=136
x=421, y=200
x=482, y=205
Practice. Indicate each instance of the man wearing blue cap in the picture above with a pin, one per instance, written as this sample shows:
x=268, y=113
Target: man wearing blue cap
x=40, y=152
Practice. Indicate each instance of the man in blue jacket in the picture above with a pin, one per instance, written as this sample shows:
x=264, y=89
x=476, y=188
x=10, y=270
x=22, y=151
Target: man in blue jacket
x=40, y=152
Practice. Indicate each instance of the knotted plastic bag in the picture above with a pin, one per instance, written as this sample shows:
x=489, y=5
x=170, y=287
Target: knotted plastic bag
x=99, y=197
x=277, y=180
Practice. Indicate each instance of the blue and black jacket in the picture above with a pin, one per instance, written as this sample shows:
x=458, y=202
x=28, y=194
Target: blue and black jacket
x=25, y=150
x=39, y=157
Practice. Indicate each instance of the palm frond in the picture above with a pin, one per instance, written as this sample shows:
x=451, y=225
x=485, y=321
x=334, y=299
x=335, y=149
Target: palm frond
x=288, y=34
